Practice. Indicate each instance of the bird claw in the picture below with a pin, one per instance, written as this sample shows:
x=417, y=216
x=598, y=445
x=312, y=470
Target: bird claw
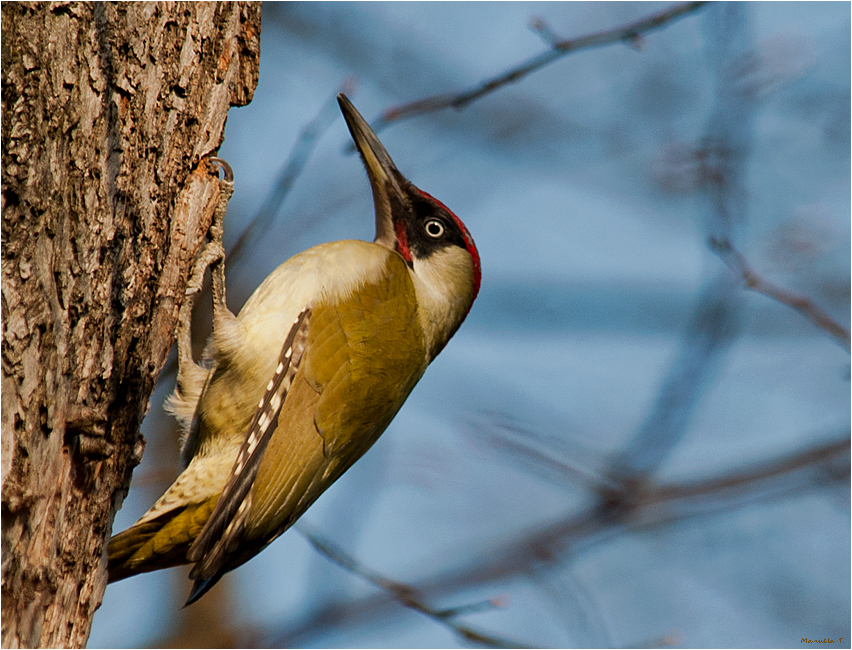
x=226, y=168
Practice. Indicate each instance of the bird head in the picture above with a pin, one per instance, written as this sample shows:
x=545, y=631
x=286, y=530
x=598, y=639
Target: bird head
x=433, y=241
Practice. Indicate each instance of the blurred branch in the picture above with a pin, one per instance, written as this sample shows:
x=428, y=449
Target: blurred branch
x=733, y=485
x=738, y=264
x=670, y=640
x=789, y=474
x=408, y=595
x=715, y=324
x=713, y=327
x=650, y=506
x=583, y=615
x=553, y=458
x=558, y=48
x=296, y=161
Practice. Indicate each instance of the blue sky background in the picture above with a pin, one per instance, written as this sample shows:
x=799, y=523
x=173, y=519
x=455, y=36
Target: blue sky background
x=581, y=187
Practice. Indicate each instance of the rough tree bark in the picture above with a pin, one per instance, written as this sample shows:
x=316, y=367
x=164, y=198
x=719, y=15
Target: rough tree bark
x=109, y=114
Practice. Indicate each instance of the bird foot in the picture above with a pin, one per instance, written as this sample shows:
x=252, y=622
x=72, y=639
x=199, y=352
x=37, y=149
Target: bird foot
x=212, y=257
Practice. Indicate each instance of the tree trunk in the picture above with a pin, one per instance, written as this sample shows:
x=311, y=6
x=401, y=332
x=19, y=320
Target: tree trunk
x=109, y=114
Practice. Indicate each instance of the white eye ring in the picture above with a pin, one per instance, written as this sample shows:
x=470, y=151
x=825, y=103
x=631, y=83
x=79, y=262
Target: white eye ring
x=434, y=228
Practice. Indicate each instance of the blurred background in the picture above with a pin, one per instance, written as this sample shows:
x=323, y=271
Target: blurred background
x=623, y=445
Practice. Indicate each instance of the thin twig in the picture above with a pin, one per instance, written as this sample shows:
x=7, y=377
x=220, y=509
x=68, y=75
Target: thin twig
x=713, y=327
x=558, y=48
x=542, y=455
x=407, y=595
x=296, y=161
x=734, y=484
x=715, y=323
x=815, y=465
x=541, y=27
x=672, y=639
x=800, y=302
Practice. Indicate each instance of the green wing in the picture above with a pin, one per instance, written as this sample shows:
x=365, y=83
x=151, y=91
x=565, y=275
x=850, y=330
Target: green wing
x=364, y=355
x=367, y=355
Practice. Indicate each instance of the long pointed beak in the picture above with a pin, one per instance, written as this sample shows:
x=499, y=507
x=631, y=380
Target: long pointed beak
x=384, y=176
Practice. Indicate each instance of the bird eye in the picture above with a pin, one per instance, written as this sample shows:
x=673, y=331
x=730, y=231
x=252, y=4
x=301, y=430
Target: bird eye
x=434, y=228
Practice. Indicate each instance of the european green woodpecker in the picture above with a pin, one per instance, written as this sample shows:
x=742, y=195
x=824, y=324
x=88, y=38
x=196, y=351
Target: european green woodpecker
x=306, y=378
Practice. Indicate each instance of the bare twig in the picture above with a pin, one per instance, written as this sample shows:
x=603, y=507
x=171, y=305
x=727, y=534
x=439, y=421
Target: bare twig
x=553, y=458
x=541, y=27
x=558, y=48
x=814, y=465
x=711, y=331
x=800, y=302
x=735, y=484
x=716, y=319
x=408, y=595
x=654, y=505
x=669, y=640
x=296, y=161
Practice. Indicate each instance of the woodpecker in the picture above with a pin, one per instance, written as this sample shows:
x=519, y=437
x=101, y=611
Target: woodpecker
x=301, y=383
